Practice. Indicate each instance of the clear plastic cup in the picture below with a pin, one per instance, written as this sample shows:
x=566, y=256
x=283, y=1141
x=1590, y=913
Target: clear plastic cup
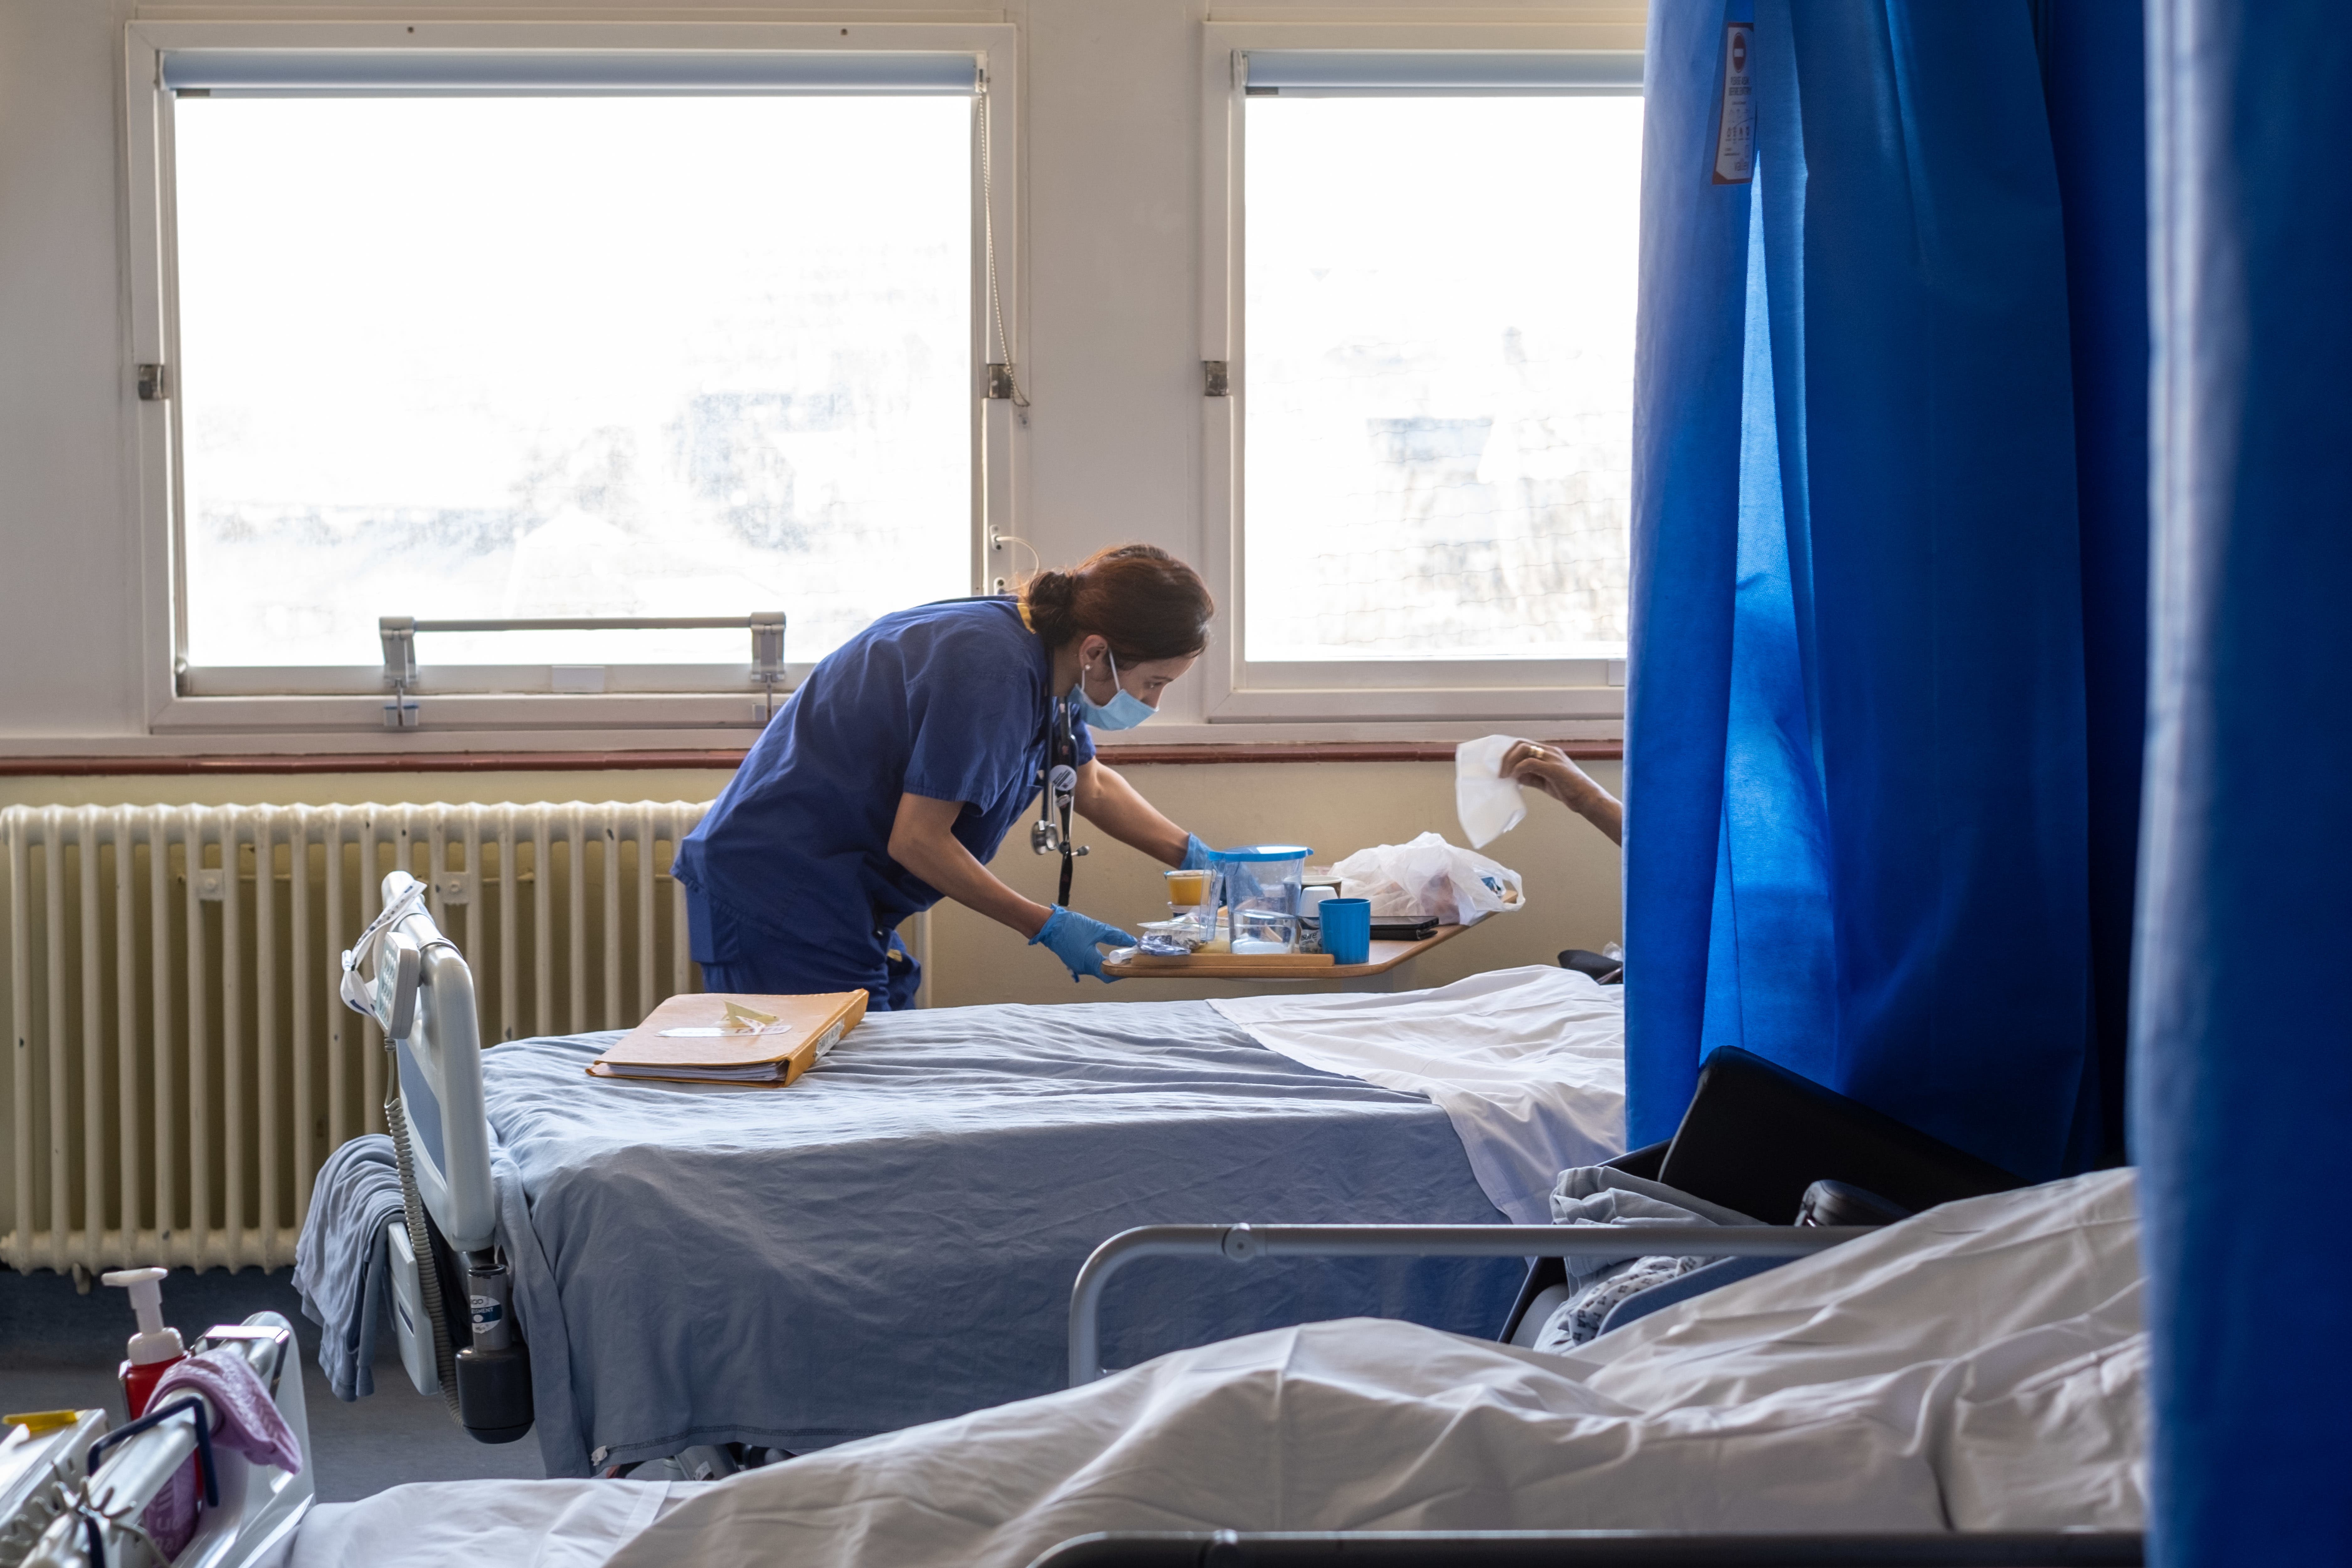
x=1189, y=891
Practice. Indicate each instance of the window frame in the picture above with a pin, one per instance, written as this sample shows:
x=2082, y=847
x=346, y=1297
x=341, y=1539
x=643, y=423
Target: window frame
x=1238, y=690
x=670, y=703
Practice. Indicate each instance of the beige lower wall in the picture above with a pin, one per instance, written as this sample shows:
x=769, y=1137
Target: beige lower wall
x=1571, y=871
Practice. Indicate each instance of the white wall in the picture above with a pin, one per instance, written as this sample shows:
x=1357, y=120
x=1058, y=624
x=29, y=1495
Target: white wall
x=1111, y=448
x=70, y=632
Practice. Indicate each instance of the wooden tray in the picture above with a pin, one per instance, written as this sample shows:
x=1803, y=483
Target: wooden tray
x=1385, y=956
x=1269, y=965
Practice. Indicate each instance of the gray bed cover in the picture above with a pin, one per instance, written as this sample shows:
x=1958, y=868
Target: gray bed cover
x=893, y=1238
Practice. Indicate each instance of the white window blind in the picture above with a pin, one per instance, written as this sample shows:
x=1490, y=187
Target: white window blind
x=1454, y=73
x=507, y=73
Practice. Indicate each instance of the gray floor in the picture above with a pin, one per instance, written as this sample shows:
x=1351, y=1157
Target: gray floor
x=59, y=1349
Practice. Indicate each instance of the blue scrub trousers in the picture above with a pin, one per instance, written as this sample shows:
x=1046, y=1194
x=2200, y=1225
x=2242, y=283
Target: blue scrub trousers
x=757, y=964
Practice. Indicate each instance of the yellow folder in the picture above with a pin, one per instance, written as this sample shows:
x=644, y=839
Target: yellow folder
x=716, y=1038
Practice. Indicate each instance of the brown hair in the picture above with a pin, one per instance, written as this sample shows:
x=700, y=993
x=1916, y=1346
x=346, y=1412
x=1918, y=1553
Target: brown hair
x=1142, y=600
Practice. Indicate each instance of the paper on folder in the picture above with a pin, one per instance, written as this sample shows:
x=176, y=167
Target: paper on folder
x=713, y=1037
x=738, y=1021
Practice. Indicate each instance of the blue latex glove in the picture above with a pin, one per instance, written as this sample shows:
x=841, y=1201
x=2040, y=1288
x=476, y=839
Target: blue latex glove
x=1196, y=854
x=1075, y=940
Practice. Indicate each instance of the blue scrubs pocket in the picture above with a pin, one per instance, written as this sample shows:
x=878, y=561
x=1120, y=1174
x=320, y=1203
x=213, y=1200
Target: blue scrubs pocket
x=906, y=976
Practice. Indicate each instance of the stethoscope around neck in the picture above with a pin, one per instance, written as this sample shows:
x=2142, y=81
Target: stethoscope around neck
x=1057, y=786
x=1057, y=781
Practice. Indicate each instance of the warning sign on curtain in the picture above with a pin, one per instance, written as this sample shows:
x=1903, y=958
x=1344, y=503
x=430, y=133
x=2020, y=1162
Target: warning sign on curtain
x=1735, y=118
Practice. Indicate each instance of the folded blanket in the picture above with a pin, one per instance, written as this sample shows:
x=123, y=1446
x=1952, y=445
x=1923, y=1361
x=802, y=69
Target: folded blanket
x=343, y=1260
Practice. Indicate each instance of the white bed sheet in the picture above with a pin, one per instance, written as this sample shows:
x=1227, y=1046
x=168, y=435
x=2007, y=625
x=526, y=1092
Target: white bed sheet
x=1529, y=1065
x=457, y=1524
x=1979, y=1368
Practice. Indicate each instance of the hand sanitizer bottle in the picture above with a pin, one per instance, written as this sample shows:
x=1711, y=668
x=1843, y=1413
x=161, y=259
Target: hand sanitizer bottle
x=153, y=1347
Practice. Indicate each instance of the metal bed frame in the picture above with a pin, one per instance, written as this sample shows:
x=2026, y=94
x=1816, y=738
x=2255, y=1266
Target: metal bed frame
x=1244, y=1243
x=1598, y=1549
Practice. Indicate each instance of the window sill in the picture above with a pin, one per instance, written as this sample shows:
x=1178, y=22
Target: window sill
x=717, y=759
x=1520, y=705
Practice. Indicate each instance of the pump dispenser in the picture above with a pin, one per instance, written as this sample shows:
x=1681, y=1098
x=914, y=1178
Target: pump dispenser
x=153, y=1347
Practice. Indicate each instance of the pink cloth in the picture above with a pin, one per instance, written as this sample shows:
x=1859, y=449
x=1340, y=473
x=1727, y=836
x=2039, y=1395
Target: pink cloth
x=245, y=1418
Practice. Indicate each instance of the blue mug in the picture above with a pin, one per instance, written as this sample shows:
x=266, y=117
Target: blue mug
x=1348, y=930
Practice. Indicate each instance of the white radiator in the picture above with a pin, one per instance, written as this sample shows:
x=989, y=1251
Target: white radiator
x=181, y=1064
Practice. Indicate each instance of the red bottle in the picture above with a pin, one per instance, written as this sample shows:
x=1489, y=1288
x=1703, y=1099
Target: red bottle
x=154, y=1347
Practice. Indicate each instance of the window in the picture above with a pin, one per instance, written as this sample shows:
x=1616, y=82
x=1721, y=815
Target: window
x=1435, y=290
x=529, y=334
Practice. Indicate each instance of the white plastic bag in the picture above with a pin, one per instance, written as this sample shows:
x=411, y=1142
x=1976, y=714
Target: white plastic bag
x=1488, y=805
x=1429, y=876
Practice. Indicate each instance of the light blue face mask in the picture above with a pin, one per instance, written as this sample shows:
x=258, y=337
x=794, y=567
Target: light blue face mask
x=1125, y=710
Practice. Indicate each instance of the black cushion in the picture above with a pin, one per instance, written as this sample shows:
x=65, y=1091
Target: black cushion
x=1608, y=971
x=1756, y=1135
x=1643, y=1161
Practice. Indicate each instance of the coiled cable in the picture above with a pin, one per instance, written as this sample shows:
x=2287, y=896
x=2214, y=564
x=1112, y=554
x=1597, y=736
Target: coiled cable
x=420, y=1238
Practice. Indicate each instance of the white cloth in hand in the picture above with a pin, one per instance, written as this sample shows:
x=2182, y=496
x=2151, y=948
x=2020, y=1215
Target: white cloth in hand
x=1488, y=803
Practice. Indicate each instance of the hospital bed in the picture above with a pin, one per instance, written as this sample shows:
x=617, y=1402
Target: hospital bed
x=887, y=1242
x=1756, y=1137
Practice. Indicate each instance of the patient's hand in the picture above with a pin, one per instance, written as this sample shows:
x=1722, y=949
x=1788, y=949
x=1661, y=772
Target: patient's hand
x=1548, y=769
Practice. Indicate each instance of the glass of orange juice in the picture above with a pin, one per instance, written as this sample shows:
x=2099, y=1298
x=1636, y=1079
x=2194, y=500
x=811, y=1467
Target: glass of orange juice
x=1187, y=890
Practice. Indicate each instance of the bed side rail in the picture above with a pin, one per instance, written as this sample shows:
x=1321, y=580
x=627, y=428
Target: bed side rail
x=247, y=1509
x=1600, y=1549
x=1244, y=1243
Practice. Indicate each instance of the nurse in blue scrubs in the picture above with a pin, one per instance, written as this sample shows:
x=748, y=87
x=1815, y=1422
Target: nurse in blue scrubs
x=894, y=772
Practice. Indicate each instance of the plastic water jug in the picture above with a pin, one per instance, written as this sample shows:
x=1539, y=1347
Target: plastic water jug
x=1260, y=885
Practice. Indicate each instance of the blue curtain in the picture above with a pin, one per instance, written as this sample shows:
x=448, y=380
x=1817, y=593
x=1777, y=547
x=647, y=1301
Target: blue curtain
x=1887, y=547
x=2242, y=1048
x=2094, y=61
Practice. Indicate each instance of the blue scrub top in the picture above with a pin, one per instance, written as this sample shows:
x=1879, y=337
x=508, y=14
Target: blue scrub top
x=948, y=700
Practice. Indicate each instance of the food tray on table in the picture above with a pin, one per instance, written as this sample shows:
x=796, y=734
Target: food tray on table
x=1385, y=956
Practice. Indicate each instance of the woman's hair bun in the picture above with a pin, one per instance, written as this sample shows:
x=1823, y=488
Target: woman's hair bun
x=1049, y=597
x=1050, y=588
